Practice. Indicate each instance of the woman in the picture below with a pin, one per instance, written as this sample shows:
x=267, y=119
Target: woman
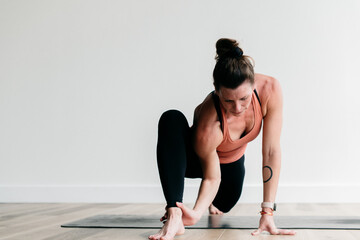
x=213, y=148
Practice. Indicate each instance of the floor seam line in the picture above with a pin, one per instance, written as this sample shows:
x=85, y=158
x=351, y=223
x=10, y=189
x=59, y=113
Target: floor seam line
x=221, y=234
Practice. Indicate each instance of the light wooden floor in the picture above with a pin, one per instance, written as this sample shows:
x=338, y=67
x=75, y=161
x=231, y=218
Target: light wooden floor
x=40, y=221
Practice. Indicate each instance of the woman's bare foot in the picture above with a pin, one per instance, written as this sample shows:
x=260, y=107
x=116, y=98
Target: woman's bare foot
x=214, y=210
x=173, y=226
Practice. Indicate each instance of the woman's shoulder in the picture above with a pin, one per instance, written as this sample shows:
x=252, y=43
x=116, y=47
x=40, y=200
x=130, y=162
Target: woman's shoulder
x=264, y=82
x=266, y=86
x=205, y=112
x=206, y=121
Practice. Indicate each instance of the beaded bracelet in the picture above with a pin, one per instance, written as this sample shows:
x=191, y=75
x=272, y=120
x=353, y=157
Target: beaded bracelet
x=266, y=213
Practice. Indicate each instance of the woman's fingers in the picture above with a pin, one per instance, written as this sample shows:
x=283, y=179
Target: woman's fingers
x=182, y=207
x=256, y=232
x=188, y=215
x=275, y=232
x=286, y=232
x=187, y=212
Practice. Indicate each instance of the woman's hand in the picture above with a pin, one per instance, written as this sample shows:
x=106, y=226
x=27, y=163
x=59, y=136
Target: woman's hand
x=267, y=224
x=190, y=216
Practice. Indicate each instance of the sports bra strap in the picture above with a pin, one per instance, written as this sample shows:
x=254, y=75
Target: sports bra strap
x=217, y=107
x=257, y=96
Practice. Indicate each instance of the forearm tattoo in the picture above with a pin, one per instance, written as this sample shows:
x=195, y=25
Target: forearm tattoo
x=271, y=173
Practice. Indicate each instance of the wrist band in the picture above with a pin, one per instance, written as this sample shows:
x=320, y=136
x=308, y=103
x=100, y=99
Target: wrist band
x=269, y=205
x=266, y=213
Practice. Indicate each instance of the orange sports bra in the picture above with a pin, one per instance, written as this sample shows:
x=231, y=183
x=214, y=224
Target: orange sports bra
x=229, y=151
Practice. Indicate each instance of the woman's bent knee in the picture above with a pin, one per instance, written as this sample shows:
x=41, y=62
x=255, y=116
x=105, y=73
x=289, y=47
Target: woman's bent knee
x=172, y=118
x=171, y=115
x=224, y=209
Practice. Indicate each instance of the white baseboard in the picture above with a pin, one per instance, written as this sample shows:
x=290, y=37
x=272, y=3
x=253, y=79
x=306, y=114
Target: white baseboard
x=153, y=193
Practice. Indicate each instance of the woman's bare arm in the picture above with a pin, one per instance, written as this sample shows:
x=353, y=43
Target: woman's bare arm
x=271, y=150
x=272, y=158
x=207, y=138
x=206, y=143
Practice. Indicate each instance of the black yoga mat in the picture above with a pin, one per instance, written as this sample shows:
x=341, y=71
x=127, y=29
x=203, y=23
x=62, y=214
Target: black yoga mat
x=216, y=221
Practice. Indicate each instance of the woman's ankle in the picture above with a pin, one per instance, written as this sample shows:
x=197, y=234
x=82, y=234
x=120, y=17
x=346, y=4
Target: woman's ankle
x=174, y=211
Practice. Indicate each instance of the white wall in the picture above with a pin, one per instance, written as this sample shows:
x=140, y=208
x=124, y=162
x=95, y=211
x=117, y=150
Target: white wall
x=83, y=83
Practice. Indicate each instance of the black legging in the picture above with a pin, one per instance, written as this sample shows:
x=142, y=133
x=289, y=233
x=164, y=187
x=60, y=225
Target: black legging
x=177, y=160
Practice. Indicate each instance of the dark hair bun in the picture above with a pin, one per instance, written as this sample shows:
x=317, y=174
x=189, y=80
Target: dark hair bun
x=232, y=68
x=226, y=47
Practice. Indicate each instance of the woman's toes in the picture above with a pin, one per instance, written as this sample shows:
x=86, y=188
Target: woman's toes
x=155, y=236
x=214, y=210
x=167, y=237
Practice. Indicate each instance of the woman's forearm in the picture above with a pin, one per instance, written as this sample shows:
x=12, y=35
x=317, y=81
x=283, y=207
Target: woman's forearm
x=271, y=174
x=207, y=192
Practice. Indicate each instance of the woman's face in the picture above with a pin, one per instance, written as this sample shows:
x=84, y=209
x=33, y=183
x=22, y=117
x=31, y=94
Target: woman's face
x=236, y=101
